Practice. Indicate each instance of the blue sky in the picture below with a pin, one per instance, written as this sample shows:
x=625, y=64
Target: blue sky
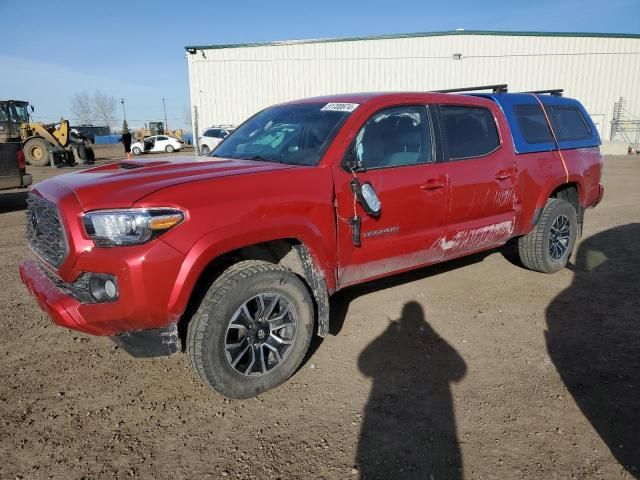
x=135, y=49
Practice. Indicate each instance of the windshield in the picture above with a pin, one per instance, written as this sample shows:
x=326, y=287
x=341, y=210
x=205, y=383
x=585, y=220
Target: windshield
x=18, y=113
x=293, y=134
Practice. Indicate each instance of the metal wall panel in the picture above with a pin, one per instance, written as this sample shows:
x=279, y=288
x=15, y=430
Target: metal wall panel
x=230, y=84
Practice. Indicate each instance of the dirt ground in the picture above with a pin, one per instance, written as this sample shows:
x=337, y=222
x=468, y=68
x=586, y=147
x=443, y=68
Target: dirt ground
x=475, y=369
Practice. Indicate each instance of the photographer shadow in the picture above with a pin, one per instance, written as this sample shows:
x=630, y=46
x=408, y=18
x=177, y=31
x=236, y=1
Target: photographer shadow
x=409, y=427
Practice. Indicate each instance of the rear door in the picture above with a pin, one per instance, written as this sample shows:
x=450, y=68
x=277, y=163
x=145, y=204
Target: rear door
x=482, y=178
x=397, y=149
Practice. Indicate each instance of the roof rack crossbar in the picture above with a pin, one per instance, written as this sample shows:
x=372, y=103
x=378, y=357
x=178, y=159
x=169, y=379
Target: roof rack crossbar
x=500, y=88
x=556, y=92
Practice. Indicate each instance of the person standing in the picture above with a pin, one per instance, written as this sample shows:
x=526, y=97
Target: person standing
x=126, y=139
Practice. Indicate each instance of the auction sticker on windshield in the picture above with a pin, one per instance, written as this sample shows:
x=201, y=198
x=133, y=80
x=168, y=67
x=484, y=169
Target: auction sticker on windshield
x=340, y=107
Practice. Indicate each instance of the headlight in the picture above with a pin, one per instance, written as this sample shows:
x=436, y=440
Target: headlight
x=134, y=226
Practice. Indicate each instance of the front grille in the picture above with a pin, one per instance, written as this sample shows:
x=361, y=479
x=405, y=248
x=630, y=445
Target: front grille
x=45, y=234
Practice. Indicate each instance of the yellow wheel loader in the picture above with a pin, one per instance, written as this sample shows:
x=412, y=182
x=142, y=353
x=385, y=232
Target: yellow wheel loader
x=41, y=142
x=156, y=128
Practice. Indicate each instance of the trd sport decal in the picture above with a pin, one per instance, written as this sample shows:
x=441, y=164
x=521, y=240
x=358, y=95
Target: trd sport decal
x=382, y=231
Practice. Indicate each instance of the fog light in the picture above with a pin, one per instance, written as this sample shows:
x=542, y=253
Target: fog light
x=103, y=288
x=110, y=289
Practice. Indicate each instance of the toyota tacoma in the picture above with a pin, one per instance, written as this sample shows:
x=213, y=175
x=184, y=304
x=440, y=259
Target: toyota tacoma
x=233, y=260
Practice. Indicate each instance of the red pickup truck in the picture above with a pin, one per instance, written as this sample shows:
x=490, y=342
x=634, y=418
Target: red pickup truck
x=233, y=259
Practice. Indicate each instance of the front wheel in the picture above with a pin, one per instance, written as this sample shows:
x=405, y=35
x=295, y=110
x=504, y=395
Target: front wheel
x=548, y=246
x=205, y=150
x=252, y=329
x=36, y=152
x=136, y=151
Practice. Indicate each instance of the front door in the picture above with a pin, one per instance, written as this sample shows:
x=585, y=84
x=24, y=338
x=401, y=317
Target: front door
x=395, y=149
x=482, y=181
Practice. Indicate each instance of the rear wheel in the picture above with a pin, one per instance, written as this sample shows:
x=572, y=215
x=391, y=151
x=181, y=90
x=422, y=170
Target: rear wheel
x=36, y=152
x=548, y=246
x=252, y=329
x=169, y=149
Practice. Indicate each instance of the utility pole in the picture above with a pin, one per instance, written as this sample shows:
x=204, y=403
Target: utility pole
x=124, y=114
x=195, y=130
x=164, y=107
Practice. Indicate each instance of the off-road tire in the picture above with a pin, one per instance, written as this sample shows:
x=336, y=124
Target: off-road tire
x=82, y=152
x=205, y=150
x=33, y=143
x=91, y=155
x=533, y=248
x=206, y=332
x=169, y=149
x=136, y=151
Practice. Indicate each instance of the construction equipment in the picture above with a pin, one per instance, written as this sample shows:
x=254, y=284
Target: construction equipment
x=156, y=128
x=41, y=142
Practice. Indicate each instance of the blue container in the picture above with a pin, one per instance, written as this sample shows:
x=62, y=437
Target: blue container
x=107, y=139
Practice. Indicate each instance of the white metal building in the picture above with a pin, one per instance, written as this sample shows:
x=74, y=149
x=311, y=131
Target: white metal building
x=228, y=83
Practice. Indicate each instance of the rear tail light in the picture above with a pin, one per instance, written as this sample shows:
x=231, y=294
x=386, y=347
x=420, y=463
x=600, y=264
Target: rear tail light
x=21, y=163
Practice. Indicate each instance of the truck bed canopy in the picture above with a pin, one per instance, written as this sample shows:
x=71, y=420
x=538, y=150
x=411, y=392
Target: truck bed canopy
x=571, y=123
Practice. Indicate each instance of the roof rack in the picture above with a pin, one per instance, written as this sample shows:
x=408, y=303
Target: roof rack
x=500, y=88
x=555, y=92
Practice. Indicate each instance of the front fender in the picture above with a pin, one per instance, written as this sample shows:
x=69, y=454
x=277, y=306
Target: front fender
x=219, y=242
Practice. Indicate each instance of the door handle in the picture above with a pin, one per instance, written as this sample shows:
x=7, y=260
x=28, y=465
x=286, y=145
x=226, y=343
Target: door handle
x=503, y=175
x=432, y=184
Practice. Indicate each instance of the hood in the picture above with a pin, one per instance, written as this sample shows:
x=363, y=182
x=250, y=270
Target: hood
x=121, y=184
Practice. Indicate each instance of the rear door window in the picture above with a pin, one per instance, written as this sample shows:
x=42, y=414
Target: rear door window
x=468, y=131
x=570, y=124
x=532, y=123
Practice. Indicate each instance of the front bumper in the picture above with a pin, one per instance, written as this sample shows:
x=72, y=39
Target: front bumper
x=95, y=319
x=146, y=276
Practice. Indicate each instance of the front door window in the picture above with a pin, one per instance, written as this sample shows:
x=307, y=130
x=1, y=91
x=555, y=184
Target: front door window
x=394, y=137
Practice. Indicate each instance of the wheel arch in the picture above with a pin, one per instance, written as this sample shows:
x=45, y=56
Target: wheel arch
x=571, y=191
x=289, y=252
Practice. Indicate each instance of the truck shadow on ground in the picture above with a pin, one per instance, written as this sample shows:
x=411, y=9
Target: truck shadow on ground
x=409, y=427
x=593, y=337
x=12, y=201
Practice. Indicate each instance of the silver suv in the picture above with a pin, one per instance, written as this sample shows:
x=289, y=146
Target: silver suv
x=211, y=137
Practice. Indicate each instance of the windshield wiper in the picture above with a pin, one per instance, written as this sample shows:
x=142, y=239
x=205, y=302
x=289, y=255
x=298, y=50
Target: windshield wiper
x=260, y=159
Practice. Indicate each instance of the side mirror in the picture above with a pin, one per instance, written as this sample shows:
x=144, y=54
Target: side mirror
x=367, y=197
